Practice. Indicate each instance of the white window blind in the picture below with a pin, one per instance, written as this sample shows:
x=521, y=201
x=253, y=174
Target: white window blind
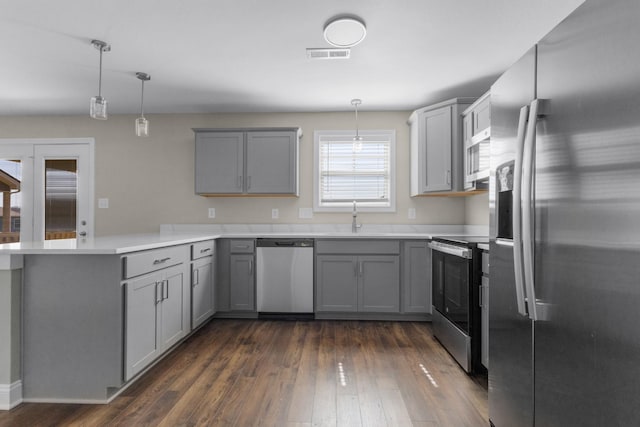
x=350, y=172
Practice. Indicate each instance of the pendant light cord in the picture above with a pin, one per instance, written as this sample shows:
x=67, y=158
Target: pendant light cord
x=142, y=100
x=100, y=74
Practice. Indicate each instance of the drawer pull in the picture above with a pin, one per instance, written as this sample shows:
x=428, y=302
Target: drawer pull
x=161, y=261
x=202, y=251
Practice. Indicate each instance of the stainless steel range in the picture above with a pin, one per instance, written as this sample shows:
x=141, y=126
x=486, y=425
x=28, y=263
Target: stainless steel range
x=456, y=297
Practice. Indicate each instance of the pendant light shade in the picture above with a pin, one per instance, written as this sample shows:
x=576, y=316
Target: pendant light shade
x=357, y=140
x=142, y=124
x=98, y=106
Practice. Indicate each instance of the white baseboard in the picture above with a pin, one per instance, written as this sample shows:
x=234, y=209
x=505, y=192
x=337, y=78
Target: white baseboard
x=10, y=395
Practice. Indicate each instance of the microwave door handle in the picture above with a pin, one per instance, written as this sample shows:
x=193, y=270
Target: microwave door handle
x=518, y=263
x=528, y=160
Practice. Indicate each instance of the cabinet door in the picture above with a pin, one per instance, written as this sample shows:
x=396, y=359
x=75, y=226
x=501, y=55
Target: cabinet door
x=272, y=162
x=416, y=280
x=142, y=298
x=379, y=284
x=201, y=291
x=336, y=283
x=467, y=133
x=219, y=162
x=437, y=149
x=173, y=325
x=242, y=283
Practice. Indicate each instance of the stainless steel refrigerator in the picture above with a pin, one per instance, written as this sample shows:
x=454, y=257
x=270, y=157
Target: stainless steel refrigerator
x=564, y=341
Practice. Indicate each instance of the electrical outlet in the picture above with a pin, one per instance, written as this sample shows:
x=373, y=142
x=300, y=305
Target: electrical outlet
x=211, y=212
x=275, y=214
x=305, y=213
x=411, y=213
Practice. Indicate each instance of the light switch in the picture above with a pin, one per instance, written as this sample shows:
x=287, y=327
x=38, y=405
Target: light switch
x=103, y=203
x=212, y=212
x=275, y=214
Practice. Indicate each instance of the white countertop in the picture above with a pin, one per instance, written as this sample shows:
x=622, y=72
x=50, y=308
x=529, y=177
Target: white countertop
x=188, y=233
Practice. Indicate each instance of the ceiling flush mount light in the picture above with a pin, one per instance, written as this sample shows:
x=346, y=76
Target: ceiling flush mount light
x=357, y=140
x=98, y=107
x=142, y=124
x=345, y=32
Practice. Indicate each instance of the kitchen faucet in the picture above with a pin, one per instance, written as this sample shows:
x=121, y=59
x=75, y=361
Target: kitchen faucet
x=354, y=222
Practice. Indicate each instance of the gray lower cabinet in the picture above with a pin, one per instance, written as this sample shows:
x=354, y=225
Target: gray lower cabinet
x=202, y=282
x=336, y=283
x=155, y=317
x=242, y=291
x=235, y=283
x=92, y=322
x=416, y=277
x=357, y=276
x=379, y=283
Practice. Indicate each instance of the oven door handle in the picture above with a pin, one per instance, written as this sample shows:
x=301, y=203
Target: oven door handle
x=451, y=250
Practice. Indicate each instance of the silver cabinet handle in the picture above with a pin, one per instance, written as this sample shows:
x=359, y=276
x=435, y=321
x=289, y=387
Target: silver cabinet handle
x=196, y=277
x=161, y=261
x=517, y=212
x=202, y=251
x=250, y=267
x=361, y=269
x=158, y=294
x=165, y=289
x=448, y=177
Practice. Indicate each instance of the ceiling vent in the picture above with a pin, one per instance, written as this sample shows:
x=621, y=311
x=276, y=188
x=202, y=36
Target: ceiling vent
x=331, y=53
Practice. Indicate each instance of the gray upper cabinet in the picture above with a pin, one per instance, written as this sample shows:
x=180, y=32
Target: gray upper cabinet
x=437, y=148
x=476, y=140
x=219, y=162
x=272, y=162
x=247, y=161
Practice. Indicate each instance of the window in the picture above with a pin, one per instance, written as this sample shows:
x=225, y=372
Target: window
x=346, y=172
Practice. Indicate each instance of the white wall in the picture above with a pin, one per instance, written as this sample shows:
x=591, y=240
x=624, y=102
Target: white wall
x=149, y=181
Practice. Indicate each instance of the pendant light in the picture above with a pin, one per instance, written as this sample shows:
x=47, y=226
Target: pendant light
x=142, y=124
x=357, y=140
x=98, y=107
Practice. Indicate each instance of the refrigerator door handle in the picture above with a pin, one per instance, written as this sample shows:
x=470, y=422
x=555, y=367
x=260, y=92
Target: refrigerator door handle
x=528, y=159
x=517, y=212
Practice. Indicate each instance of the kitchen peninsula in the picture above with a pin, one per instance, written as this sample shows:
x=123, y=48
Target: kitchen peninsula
x=88, y=330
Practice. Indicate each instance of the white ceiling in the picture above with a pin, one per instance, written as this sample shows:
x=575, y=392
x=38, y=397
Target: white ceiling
x=249, y=55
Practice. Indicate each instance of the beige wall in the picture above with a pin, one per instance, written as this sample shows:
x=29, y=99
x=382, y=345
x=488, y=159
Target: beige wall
x=149, y=181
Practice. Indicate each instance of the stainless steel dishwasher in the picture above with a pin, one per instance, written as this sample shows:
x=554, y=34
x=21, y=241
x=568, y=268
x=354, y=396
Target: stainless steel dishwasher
x=284, y=272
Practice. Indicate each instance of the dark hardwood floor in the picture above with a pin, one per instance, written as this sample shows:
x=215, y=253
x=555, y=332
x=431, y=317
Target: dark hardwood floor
x=289, y=373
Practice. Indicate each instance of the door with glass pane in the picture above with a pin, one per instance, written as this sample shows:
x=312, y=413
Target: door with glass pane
x=46, y=191
x=62, y=209
x=16, y=205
